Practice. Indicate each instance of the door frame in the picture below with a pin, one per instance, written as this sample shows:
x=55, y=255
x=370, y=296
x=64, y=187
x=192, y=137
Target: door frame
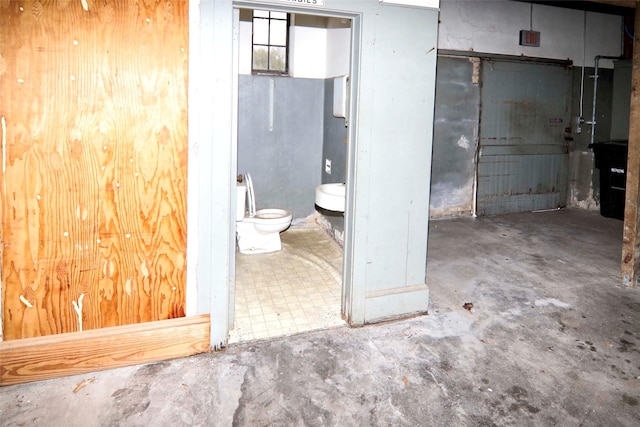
x=218, y=74
x=354, y=62
x=384, y=272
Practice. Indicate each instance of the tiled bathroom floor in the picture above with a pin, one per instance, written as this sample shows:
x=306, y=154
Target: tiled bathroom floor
x=295, y=290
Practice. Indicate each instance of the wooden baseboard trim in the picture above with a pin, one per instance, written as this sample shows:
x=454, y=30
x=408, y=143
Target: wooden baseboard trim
x=54, y=356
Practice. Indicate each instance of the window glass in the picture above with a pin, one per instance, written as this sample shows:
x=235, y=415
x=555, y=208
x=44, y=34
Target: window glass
x=277, y=58
x=260, y=58
x=270, y=39
x=260, y=31
x=278, y=33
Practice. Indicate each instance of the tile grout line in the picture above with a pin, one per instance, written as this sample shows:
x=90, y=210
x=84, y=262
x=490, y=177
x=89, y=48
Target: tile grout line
x=299, y=294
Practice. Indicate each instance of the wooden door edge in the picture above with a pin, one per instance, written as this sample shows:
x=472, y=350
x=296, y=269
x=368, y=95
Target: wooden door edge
x=54, y=356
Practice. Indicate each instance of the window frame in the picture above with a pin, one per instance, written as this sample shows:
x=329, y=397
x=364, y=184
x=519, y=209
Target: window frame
x=269, y=45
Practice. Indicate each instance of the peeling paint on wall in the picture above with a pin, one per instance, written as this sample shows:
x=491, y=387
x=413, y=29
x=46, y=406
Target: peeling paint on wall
x=581, y=188
x=455, y=137
x=463, y=142
x=475, y=77
x=448, y=200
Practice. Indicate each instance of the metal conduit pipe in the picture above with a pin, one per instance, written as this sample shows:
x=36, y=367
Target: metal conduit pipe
x=584, y=61
x=595, y=94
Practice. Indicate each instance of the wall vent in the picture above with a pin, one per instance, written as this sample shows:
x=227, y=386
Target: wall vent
x=529, y=38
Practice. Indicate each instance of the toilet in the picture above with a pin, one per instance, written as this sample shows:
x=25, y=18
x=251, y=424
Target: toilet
x=258, y=231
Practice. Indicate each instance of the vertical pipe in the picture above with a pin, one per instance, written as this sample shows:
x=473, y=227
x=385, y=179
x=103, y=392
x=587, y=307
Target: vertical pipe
x=595, y=98
x=584, y=63
x=595, y=94
x=272, y=90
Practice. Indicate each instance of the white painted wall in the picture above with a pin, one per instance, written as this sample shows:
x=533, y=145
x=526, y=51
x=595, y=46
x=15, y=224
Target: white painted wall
x=488, y=26
x=493, y=26
x=244, y=47
x=307, y=52
x=338, y=51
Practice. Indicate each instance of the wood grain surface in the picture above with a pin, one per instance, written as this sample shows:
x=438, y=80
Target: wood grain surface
x=630, y=263
x=93, y=99
x=54, y=356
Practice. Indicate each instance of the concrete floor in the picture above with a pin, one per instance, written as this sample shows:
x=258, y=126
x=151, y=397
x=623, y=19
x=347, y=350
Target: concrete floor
x=552, y=339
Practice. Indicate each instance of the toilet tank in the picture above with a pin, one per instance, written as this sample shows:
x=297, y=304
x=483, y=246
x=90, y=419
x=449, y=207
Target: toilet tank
x=241, y=199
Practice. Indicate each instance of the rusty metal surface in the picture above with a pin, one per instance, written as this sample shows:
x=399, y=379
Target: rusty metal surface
x=455, y=132
x=523, y=159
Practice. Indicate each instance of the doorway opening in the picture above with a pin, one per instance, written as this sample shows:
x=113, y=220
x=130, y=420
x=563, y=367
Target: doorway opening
x=290, y=141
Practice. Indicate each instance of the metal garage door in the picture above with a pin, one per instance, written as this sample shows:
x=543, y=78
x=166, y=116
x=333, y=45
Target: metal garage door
x=523, y=159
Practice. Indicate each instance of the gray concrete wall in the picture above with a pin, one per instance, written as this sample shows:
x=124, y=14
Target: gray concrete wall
x=621, y=99
x=456, y=125
x=584, y=180
x=282, y=155
x=455, y=133
x=603, y=117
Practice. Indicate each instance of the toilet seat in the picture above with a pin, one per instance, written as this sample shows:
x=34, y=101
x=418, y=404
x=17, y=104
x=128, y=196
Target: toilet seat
x=266, y=216
x=270, y=214
x=258, y=231
x=251, y=195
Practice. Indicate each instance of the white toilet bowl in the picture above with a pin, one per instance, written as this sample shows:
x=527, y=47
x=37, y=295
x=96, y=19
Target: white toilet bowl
x=258, y=232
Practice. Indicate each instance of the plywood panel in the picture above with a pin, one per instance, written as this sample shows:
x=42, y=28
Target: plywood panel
x=93, y=162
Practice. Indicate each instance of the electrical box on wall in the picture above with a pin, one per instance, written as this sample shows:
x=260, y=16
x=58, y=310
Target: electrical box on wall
x=529, y=38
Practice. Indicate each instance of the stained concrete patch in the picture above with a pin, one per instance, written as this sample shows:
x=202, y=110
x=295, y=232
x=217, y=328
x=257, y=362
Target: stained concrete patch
x=453, y=324
x=551, y=302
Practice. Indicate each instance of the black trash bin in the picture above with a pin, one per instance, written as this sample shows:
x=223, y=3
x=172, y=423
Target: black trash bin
x=611, y=160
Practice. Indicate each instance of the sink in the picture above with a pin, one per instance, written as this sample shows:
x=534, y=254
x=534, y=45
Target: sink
x=331, y=196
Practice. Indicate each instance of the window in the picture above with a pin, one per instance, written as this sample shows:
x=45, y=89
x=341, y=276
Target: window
x=270, y=37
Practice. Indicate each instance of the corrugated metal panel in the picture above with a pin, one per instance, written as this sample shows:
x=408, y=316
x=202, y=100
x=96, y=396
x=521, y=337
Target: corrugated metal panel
x=523, y=155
